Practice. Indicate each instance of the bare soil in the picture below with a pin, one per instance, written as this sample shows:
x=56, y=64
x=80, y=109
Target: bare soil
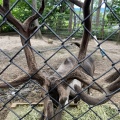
x=12, y=68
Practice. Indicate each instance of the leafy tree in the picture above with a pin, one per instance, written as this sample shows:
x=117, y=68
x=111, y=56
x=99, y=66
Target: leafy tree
x=21, y=11
x=116, y=9
x=56, y=19
x=36, y=22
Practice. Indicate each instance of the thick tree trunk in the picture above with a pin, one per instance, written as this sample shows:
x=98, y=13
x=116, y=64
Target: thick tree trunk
x=98, y=14
x=36, y=22
x=92, y=2
x=75, y=24
x=38, y=34
x=103, y=22
x=70, y=19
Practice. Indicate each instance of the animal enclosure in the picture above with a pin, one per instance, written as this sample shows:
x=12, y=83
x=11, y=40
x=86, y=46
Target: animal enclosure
x=42, y=71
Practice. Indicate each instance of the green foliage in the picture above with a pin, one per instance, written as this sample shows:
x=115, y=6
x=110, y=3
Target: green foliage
x=1, y=2
x=59, y=17
x=58, y=20
x=22, y=10
x=116, y=9
x=103, y=32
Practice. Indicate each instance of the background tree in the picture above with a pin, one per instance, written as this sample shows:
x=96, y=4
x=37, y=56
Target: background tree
x=92, y=2
x=115, y=6
x=71, y=18
x=98, y=14
x=103, y=21
x=36, y=22
x=62, y=20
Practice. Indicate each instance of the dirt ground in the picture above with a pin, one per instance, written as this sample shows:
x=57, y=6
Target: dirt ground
x=11, y=46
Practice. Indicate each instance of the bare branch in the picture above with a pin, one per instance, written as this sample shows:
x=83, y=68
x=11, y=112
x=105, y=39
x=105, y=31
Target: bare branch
x=78, y=3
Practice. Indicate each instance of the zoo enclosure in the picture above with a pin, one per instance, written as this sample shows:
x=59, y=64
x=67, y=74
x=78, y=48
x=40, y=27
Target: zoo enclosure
x=46, y=63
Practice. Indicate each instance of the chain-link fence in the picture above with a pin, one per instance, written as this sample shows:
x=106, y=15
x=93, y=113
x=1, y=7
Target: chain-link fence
x=51, y=78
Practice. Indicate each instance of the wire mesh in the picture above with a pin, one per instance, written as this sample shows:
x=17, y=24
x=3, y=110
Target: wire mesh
x=49, y=57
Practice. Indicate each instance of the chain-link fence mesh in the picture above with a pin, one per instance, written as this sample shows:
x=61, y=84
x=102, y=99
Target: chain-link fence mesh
x=26, y=101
